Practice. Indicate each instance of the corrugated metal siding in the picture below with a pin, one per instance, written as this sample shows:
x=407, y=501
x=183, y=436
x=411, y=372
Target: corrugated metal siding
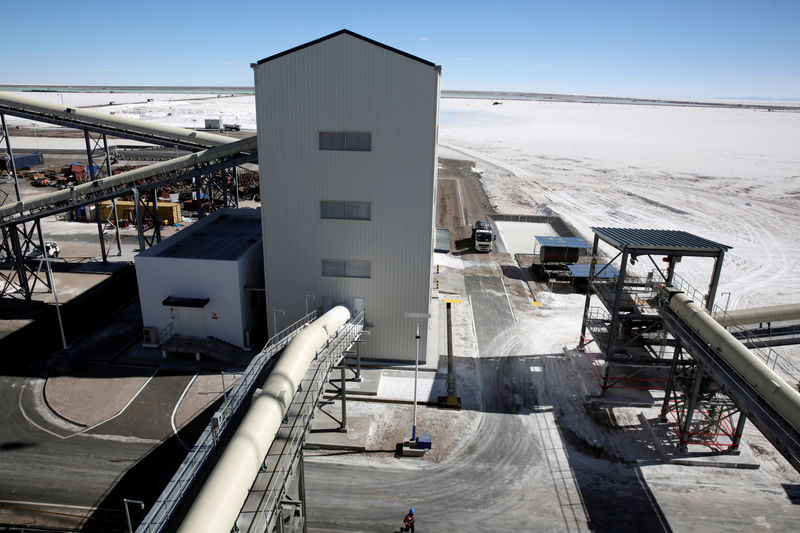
x=346, y=84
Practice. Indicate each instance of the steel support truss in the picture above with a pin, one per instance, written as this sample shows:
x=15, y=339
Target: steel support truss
x=19, y=275
x=700, y=413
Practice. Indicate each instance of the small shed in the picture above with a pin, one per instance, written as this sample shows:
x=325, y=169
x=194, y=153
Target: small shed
x=559, y=249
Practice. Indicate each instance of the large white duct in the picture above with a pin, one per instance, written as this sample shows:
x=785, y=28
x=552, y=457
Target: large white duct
x=218, y=504
x=20, y=103
x=775, y=391
x=759, y=315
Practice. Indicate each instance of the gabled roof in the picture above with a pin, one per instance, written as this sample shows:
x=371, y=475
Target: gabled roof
x=352, y=34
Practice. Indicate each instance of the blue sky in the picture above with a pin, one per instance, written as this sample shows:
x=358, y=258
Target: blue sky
x=667, y=48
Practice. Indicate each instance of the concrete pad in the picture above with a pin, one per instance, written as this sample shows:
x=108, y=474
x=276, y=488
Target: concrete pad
x=399, y=385
x=520, y=237
x=324, y=432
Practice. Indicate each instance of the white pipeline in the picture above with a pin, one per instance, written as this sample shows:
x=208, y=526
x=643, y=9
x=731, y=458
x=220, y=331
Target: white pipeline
x=779, y=394
x=759, y=315
x=217, y=505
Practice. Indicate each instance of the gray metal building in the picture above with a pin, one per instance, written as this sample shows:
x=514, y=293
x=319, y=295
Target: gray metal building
x=347, y=140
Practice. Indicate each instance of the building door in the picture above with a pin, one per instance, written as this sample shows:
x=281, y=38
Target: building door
x=190, y=321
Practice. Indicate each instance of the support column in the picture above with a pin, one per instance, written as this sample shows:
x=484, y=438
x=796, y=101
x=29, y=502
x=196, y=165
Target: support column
x=116, y=225
x=671, y=380
x=691, y=404
x=93, y=177
x=737, y=435
x=10, y=153
x=236, y=187
x=198, y=187
x=612, y=329
x=671, y=274
x=712, y=288
x=589, y=282
x=301, y=486
x=139, y=219
x=343, y=392
x=156, y=217
x=19, y=260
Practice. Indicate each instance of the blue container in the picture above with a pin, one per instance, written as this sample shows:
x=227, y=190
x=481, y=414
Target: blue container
x=424, y=441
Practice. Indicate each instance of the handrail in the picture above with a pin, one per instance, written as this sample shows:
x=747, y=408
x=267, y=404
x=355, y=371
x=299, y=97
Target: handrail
x=176, y=488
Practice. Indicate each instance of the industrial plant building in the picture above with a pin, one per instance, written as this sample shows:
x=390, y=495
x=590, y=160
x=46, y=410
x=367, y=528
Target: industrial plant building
x=199, y=283
x=347, y=137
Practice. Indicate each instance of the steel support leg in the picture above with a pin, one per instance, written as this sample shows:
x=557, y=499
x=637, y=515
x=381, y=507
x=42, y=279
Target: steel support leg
x=116, y=225
x=19, y=260
x=612, y=329
x=10, y=153
x=671, y=380
x=712, y=288
x=587, y=302
x=156, y=217
x=737, y=435
x=343, y=392
x=139, y=219
x=301, y=484
x=690, y=407
x=236, y=187
x=198, y=188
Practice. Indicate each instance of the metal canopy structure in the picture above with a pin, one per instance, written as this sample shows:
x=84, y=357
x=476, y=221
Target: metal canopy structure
x=656, y=241
x=629, y=327
x=645, y=345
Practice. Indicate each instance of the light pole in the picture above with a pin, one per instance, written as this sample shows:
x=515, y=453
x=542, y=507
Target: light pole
x=312, y=299
x=128, y=514
x=275, y=319
x=418, y=317
x=50, y=279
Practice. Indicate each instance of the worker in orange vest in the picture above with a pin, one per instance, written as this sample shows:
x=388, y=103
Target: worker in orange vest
x=408, y=521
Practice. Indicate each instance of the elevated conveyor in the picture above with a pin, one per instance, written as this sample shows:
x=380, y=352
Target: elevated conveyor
x=95, y=121
x=234, y=153
x=765, y=398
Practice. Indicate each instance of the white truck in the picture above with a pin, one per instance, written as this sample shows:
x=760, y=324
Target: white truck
x=483, y=236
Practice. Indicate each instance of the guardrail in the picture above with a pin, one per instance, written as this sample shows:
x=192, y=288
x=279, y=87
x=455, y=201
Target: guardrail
x=171, y=496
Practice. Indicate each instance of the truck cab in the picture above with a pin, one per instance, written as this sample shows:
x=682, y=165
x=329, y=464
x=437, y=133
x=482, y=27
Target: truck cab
x=483, y=236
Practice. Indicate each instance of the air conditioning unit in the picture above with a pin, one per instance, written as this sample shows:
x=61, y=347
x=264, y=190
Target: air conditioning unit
x=150, y=337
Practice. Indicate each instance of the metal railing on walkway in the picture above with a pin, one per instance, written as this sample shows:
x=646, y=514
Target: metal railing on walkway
x=170, y=498
x=265, y=505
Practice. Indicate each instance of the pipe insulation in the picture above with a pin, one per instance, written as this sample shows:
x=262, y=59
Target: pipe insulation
x=775, y=391
x=759, y=315
x=119, y=180
x=222, y=496
x=10, y=103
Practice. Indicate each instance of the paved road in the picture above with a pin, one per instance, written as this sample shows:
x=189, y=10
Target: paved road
x=52, y=471
x=500, y=481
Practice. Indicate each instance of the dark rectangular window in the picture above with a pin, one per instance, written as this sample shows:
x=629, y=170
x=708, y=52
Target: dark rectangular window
x=345, y=210
x=345, y=269
x=350, y=141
